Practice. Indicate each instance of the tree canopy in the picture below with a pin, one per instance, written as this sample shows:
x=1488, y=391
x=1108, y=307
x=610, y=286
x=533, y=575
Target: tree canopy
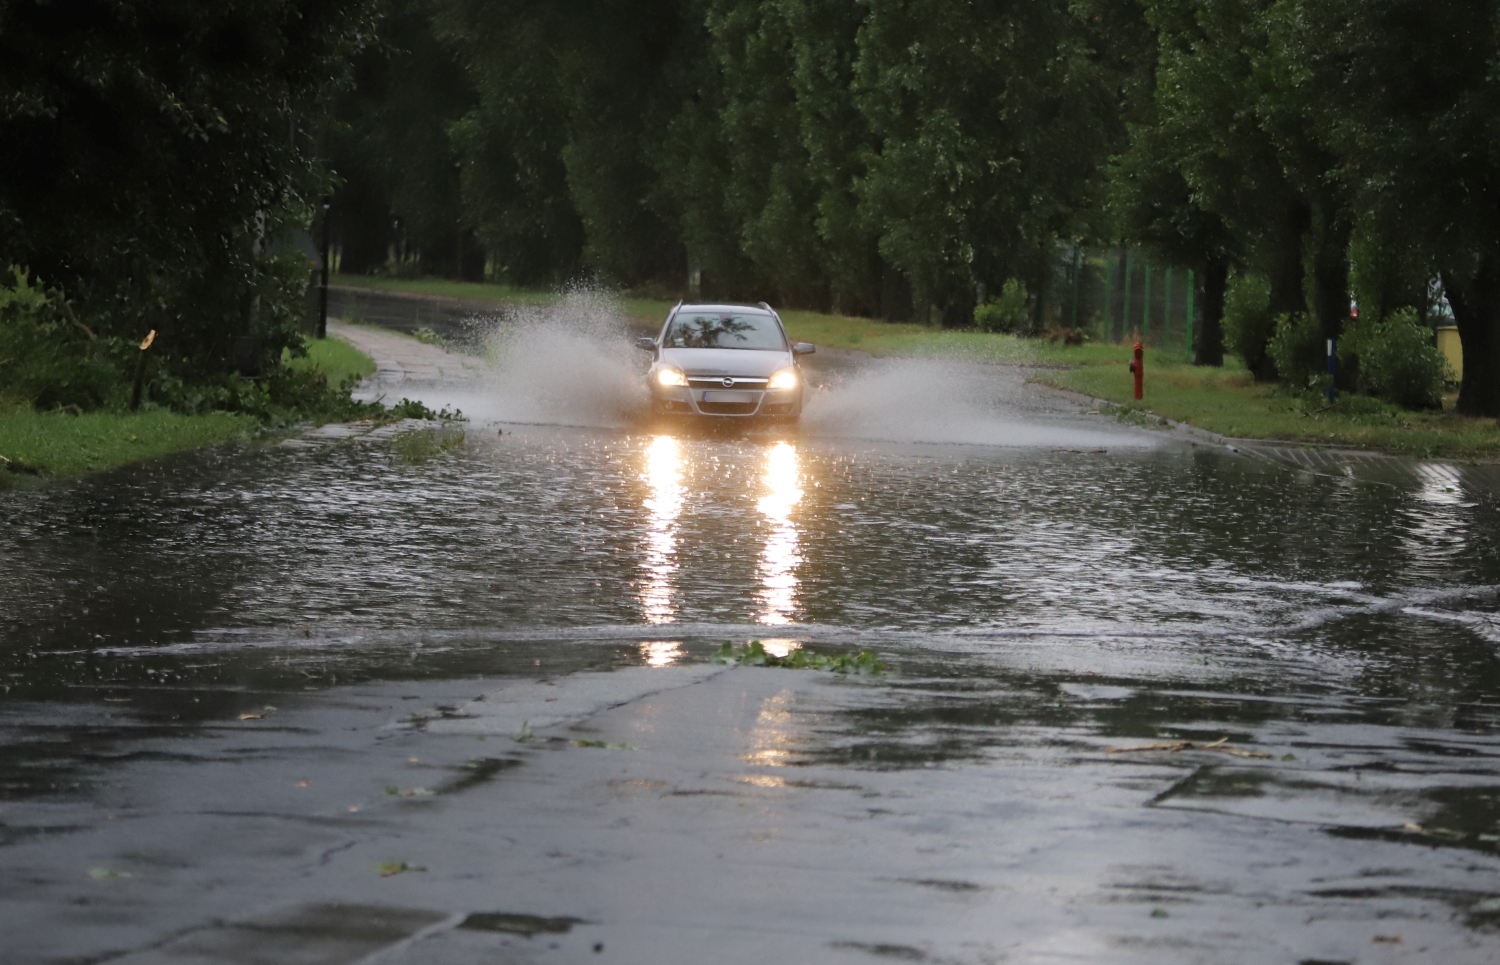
x=886, y=157
x=151, y=149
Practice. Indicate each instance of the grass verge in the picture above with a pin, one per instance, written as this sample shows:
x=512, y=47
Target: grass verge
x=37, y=446
x=336, y=358
x=1229, y=402
x=43, y=445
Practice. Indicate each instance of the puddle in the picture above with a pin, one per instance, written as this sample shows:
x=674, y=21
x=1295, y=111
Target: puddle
x=512, y=924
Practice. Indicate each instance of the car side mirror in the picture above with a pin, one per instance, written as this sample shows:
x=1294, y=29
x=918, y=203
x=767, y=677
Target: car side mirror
x=804, y=348
x=646, y=344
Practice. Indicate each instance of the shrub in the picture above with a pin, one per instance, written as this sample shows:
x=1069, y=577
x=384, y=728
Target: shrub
x=47, y=358
x=1298, y=350
x=1006, y=312
x=1249, y=325
x=1397, y=360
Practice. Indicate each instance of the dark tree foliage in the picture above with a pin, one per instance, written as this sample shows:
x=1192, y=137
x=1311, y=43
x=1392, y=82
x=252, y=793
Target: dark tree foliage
x=1156, y=207
x=992, y=122
x=151, y=150
x=391, y=149
x=1239, y=149
x=1408, y=99
x=872, y=156
x=826, y=153
x=559, y=155
x=1153, y=204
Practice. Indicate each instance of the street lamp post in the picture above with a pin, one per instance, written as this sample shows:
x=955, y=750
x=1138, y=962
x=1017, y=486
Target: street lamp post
x=323, y=286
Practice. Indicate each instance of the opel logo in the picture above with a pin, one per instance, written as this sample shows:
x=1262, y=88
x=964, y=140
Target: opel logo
x=728, y=382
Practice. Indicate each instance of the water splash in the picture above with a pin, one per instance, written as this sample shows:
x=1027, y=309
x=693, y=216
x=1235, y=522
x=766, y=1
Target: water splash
x=569, y=363
x=951, y=401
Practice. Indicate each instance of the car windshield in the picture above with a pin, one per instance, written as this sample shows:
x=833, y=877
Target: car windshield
x=724, y=330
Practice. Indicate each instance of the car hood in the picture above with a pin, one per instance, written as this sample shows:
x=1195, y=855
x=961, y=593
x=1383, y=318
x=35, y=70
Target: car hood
x=727, y=361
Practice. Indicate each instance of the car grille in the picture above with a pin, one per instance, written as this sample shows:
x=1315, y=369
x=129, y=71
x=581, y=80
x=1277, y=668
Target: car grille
x=727, y=408
x=717, y=382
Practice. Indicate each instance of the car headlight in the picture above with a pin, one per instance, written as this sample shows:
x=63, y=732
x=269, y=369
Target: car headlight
x=785, y=379
x=670, y=378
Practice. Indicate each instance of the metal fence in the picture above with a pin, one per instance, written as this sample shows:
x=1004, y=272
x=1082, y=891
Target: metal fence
x=1121, y=294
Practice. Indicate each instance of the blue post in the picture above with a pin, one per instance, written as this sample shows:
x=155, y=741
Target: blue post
x=1333, y=366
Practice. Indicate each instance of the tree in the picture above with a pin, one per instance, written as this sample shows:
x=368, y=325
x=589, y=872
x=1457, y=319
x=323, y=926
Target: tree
x=1156, y=207
x=391, y=148
x=1236, y=107
x=991, y=122
x=153, y=149
x=838, y=141
x=591, y=84
x=1411, y=106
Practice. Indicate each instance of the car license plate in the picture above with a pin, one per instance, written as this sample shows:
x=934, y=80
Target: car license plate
x=718, y=396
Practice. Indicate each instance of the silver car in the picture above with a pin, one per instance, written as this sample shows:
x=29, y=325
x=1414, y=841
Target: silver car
x=726, y=361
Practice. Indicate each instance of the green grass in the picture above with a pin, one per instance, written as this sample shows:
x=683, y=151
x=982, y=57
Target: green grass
x=336, y=358
x=1229, y=402
x=57, y=445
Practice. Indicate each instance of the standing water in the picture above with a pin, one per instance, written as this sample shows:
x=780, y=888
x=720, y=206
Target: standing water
x=1150, y=700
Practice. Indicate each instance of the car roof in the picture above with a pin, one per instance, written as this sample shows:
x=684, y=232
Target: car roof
x=723, y=308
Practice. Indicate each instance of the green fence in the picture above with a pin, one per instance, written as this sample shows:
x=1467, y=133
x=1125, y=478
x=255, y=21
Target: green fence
x=1121, y=294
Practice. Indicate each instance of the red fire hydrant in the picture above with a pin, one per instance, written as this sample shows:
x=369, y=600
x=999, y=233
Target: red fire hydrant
x=1138, y=367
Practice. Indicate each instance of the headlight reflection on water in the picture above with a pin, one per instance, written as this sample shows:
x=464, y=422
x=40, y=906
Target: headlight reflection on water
x=661, y=653
x=782, y=555
x=664, y=478
x=776, y=571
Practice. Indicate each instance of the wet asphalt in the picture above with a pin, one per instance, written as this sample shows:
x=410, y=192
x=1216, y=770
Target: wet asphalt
x=1147, y=698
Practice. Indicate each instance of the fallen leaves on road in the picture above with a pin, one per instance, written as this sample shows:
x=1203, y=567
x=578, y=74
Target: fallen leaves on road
x=1173, y=746
x=304, y=783
x=754, y=654
x=1388, y=939
x=613, y=747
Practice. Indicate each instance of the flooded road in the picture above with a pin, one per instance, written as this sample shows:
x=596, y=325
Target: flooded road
x=1074, y=612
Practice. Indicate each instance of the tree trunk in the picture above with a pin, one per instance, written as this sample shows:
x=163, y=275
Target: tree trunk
x=1284, y=269
x=1475, y=297
x=1210, y=348
x=1284, y=266
x=1331, y=281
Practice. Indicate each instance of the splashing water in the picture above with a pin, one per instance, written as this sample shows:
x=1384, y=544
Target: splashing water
x=571, y=363
x=565, y=364
x=950, y=401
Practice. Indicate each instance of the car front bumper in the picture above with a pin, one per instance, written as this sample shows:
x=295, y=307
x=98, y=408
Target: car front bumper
x=727, y=403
